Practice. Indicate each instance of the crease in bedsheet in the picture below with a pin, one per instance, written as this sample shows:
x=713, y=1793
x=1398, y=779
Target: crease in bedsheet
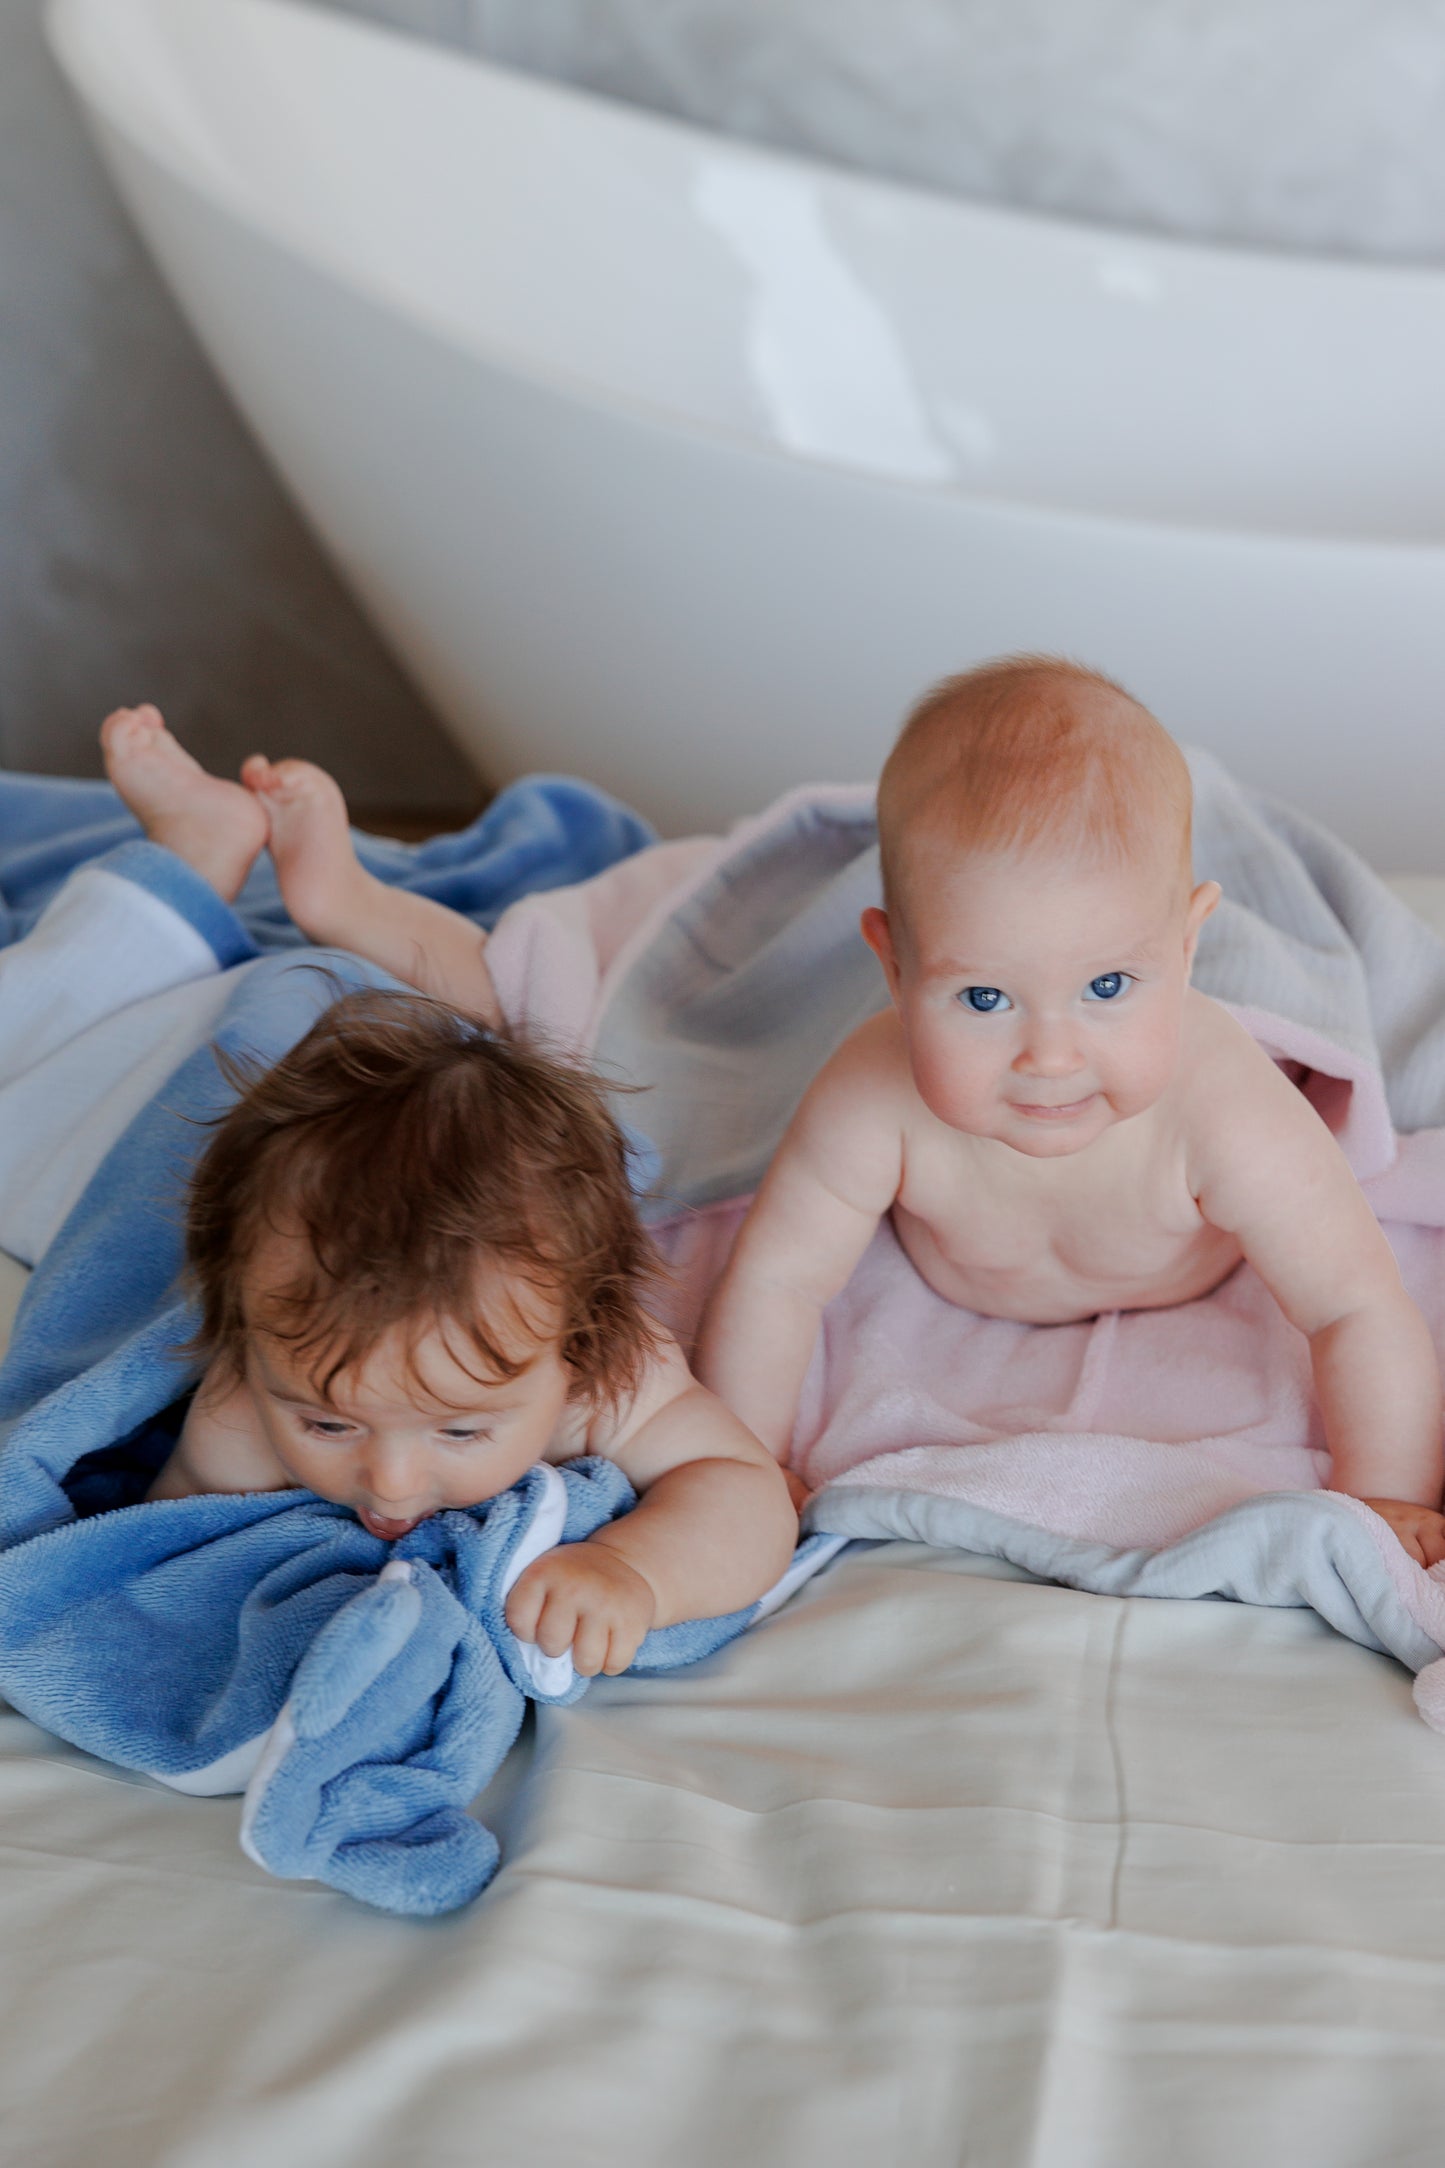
x=1116, y=1755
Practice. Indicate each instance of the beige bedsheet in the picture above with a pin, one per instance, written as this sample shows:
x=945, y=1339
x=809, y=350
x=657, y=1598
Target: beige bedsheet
x=940, y=1866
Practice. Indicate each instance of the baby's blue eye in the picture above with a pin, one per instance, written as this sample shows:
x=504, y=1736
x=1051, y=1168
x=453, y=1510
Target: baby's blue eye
x=1108, y=985
x=985, y=1000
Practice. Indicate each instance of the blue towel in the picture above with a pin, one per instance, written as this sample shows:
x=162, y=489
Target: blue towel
x=361, y=1693
x=544, y=832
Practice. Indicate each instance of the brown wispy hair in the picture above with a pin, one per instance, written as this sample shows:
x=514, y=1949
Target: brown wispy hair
x=418, y=1171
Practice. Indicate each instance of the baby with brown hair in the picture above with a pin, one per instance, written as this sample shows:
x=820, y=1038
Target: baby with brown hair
x=419, y=1260
x=1055, y=1121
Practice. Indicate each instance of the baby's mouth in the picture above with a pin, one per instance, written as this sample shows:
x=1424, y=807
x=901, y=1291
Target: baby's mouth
x=388, y=1531
x=1066, y=1113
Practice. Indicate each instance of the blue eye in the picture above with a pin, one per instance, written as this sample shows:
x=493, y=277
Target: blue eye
x=1108, y=985
x=985, y=1000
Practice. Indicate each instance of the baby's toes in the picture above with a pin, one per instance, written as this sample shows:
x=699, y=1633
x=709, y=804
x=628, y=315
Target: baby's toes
x=284, y=782
x=291, y=781
x=312, y=792
x=122, y=730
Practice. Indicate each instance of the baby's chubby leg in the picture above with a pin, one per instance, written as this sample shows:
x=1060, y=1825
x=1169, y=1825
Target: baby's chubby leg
x=337, y=903
x=216, y=828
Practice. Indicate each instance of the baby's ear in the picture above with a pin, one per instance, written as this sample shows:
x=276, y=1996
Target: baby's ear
x=874, y=927
x=1201, y=903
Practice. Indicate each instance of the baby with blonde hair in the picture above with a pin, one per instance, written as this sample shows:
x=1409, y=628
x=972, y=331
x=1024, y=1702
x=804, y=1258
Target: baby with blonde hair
x=1057, y=1123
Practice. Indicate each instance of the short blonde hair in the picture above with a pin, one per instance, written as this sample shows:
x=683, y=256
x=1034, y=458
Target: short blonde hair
x=1033, y=749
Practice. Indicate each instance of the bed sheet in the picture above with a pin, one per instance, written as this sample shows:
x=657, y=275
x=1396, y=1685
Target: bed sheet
x=939, y=1865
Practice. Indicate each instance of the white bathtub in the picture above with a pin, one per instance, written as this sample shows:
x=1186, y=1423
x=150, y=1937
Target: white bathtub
x=685, y=465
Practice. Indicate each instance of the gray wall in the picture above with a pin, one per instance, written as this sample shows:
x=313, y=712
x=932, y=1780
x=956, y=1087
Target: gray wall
x=145, y=549
x=1298, y=124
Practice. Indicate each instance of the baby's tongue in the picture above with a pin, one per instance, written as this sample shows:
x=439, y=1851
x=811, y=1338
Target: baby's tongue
x=388, y=1531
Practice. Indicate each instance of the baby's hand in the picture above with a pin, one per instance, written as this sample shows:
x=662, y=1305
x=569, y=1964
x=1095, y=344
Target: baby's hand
x=585, y=1598
x=798, y=1490
x=1419, y=1528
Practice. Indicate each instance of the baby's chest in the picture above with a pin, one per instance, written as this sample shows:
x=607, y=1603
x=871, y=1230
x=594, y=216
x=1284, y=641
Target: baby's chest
x=1120, y=1214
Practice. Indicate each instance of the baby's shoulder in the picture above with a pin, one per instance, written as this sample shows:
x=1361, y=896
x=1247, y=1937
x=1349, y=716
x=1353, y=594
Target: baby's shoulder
x=608, y=1430
x=869, y=1067
x=1218, y=1051
x=1233, y=1093
x=865, y=1088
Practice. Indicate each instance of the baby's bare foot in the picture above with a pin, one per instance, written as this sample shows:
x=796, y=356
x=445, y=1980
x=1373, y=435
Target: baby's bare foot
x=216, y=827
x=322, y=884
x=335, y=901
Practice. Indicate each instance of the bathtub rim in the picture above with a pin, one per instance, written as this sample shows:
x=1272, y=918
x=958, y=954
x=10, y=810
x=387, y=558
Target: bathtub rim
x=66, y=24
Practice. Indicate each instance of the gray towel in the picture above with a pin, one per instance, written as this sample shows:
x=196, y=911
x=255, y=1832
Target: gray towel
x=759, y=974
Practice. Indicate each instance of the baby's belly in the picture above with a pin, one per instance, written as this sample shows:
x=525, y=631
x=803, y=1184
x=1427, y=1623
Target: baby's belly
x=1059, y=1286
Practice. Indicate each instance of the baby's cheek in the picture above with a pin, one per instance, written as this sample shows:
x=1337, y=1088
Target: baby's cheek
x=326, y=1474
x=1138, y=1071
x=957, y=1086
x=474, y=1479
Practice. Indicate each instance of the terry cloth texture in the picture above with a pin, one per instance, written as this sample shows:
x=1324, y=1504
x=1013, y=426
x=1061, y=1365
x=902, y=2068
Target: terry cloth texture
x=1168, y=1452
x=543, y=832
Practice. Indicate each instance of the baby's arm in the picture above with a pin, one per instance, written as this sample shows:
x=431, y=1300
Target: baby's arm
x=712, y=1531
x=1270, y=1172
x=835, y=1174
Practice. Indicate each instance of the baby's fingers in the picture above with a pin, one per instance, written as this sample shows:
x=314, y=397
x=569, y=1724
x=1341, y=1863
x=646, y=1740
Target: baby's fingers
x=590, y=1645
x=524, y=1605
x=622, y=1645
x=798, y=1490
x=1431, y=1538
x=557, y=1626
x=543, y=1610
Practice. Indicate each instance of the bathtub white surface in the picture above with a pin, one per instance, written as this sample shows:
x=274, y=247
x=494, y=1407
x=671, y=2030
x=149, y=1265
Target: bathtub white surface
x=882, y=330
x=686, y=466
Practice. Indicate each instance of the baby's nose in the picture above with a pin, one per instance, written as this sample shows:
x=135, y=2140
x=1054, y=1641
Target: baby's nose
x=396, y=1482
x=1050, y=1050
